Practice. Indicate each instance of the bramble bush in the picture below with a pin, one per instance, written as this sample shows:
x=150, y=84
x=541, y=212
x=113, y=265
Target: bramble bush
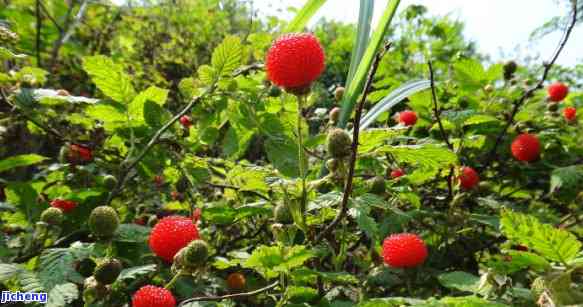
x=192, y=153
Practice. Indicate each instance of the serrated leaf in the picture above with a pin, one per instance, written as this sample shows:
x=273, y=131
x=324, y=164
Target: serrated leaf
x=248, y=178
x=301, y=294
x=32, y=75
x=63, y=294
x=469, y=73
x=567, y=182
x=137, y=106
x=6, y=54
x=110, y=78
x=374, y=138
x=19, y=161
x=554, y=244
x=8, y=271
x=111, y=115
x=461, y=281
x=135, y=272
x=269, y=261
x=132, y=233
x=425, y=156
x=360, y=211
x=227, y=56
x=57, y=264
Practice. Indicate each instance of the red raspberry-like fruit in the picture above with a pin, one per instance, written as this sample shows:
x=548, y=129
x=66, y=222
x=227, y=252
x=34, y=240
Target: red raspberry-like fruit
x=557, y=91
x=408, y=118
x=158, y=180
x=294, y=61
x=525, y=147
x=65, y=205
x=404, y=250
x=152, y=296
x=186, y=121
x=570, y=114
x=80, y=153
x=171, y=234
x=468, y=178
x=396, y=173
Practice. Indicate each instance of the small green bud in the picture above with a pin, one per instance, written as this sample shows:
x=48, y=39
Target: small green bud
x=109, y=181
x=103, y=222
x=52, y=216
x=282, y=214
x=339, y=143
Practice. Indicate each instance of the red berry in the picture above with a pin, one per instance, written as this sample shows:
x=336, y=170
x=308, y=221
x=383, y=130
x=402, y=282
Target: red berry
x=396, y=173
x=408, y=118
x=152, y=296
x=176, y=196
x=294, y=61
x=557, y=91
x=170, y=235
x=186, y=121
x=80, y=153
x=525, y=147
x=158, y=180
x=468, y=178
x=570, y=114
x=404, y=250
x=65, y=205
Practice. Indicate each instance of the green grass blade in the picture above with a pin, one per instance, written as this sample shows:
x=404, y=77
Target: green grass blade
x=304, y=15
x=357, y=83
x=362, y=36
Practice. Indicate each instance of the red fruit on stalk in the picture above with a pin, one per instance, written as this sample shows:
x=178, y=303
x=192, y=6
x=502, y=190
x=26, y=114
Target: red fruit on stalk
x=186, y=121
x=468, y=178
x=152, y=296
x=171, y=234
x=294, y=61
x=80, y=153
x=404, y=250
x=408, y=118
x=557, y=91
x=158, y=180
x=396, y=173
x=525, y=147
x=570, y=114
x=65, y=205
x=196, y=214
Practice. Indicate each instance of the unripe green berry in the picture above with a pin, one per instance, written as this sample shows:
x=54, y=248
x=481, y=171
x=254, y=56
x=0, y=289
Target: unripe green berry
x=193, y=255
x=282, y=214
x=339, y=93
x=109, y=181
x=334, y=115
x=553, y=107
x=103, y=222
x=52, y=216
x=107, y=271
x=339, y=143
x=85, y=267
x=274, y=91
x=377, y=185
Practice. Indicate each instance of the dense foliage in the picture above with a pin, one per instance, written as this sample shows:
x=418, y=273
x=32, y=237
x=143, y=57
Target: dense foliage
x=145, y=147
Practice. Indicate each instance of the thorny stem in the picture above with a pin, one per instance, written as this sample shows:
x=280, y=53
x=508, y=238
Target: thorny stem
x=518, y=103
x=354, y=147
x=229, y=296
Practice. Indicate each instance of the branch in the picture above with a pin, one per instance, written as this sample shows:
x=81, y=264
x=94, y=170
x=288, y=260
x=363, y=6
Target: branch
x=51, y=18
x=228, y=296
x=153, y=141
x=48, y=129
x=66, y=32
x=354, y=148
x=38, y=30
x=436, y=110
x=518, y=103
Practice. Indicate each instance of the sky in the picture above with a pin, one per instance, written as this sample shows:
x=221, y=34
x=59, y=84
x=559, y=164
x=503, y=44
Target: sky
x=497, y=26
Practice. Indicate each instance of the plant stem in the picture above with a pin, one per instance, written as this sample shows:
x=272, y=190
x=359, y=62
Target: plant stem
x=301, y=155
x=171, y=283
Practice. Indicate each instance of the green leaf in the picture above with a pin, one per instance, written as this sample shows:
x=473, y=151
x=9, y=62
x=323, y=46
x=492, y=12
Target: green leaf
x=112, y=115
x=132, y=233
x=24, y=196
x=304, y=15
x=371, y=139
x=554, y=244
x=137, y=271
x=227, y=56
x=6, y=54
x=32, y=75
x=470, y=74
x=8, y=271
x=429, y=156
x=57, y=265
x=269, y=261
x=361, y=212
x=249, y=178
x=461, y=281
x=110, y=78
x=301, y=294
x=567, y=182
x=356, y=86
x=62, y=295
x=365, y=14
x=153, y=94
x=19, y=161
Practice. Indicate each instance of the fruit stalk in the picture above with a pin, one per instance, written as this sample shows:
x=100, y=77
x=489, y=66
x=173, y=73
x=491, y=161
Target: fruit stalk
x=301, y=155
